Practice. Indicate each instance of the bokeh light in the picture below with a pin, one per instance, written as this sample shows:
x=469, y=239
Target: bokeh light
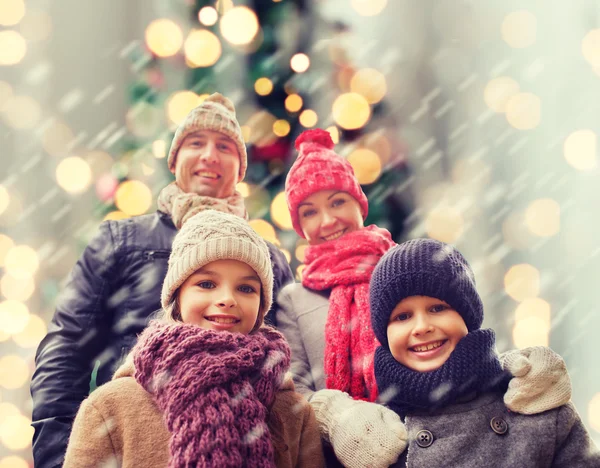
x=133, y=197
x=115, y=215
x=594, y=412
x=334, y=133
x=14, y=316
x=590, y=47
x=351, y=111
x=36, y=25
x=281, y=127
x=12, y=47
x=164, y=37
x=581, y=150
x=56, y=138
x=16, y=432
x=366, y=165
x=300, y=63
x=445, y=224
x=14, y=372
x=223, y=6
x=534, y=307
x=74, y=174
x=159, y=149
x=515, y=232
x=523, y=111
x=280, y=213
x=106, y=186
x=208, y=16
x=21, y=261
x=264, y=229
x=243, y=188
x=6, y=243
x=180, y=104
x=11, y=12
x=260, y=126
x=4, y=199
x=542, y=217
x=498, y=91
x=22, y=112
x=202, y=48
x=6, y=93
x=32, y=334
x=17, y=289
x=299, y=271
x=522, y=282
x=239, y=25
x=308, y=118
x=368, y=7
x=13, y=461
x=293, y=103
x=531, y=331
x=519, y=29
x=263, y=86
x=300, y=251
x=370, y=84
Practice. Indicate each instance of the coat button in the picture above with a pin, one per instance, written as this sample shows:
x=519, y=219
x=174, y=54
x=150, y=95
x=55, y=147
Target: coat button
x=424, y=438
x=499, y=426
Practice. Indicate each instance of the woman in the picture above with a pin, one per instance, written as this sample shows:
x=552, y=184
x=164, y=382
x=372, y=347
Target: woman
x=204, y=386
x=326, y=318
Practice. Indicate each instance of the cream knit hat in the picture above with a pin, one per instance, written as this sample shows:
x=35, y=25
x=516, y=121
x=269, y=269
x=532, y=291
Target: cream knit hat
x=212, y=235
x=216, y=113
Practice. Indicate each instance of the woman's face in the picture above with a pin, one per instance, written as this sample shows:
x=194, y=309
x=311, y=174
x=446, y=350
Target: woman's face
x=329, y=214
x=222, y=295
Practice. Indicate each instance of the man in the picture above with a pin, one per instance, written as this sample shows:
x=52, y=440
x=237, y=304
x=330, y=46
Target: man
x=115, y=286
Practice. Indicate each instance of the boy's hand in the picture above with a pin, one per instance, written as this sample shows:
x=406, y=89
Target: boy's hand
x=363, y=434
x=540, y=380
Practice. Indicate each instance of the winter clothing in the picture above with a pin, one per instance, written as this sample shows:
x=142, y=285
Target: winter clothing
x=113, y=290
x=215, y=389
x=115, y=421
x=183, y=205
x=483, y=432
x=362, y=433
x=210, y=236
x=216, y=113
x=442, y=428
x=318, y=168
x=423, y=267
x=472, y=367
x=344, y=266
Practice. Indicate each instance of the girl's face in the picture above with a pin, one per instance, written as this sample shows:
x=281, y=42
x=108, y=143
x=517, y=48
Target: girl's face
x=423, y=331
x=222, y=295
x=329, y=214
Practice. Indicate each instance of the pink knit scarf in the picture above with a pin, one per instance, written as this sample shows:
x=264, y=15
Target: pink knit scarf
x=182, y=205
x=215, y=389
x=345, y=266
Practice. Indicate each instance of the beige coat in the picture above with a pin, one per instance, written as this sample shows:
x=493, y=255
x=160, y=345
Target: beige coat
x=119, y=425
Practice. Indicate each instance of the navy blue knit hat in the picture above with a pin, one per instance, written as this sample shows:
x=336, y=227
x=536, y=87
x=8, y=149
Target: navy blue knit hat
x=423, y=267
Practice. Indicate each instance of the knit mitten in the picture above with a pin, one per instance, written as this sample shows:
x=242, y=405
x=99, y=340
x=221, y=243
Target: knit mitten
x=540, y=380
x=362, y=434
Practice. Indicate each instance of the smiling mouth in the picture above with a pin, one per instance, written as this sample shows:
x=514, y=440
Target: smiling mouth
x=428, y=347
x=223, y=320
x=335, y=235
x=207, y=174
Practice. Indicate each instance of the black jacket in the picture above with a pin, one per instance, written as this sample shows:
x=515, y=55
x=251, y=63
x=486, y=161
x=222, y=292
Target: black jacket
x=111, y=294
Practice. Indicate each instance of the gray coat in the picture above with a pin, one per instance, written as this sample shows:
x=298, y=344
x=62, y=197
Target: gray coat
x=467, y=435
x=301, y=316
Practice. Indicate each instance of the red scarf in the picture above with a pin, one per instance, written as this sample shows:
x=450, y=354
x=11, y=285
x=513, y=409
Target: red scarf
x=345, y=266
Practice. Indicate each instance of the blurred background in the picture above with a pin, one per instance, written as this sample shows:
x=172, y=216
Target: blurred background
x=472, y=122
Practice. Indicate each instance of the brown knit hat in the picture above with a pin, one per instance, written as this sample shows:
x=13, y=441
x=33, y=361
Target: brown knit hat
x=212, y=235
x=216, y=113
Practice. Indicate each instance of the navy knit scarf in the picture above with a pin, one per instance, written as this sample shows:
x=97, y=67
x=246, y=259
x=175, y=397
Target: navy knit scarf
x=472, y=367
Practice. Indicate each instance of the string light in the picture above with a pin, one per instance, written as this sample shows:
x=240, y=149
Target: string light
x=263, y=86
x=12, y=47
x=239, y=25
x=133, y=197
x=293, y=103
x=522, y=282
x=202, y=48
x=300, y=63
x=519, y=29
x=164, y=37
x=11, y=12
x=308, y=118
x=74, y=175
x=542, y=217
x=581, y=149
x=280, y=213
x=370, y=84
x=208, y=16
x=498, y=91
x=351, y=111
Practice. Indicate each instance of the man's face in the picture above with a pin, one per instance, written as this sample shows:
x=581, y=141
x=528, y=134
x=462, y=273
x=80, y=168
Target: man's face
x=208, y=163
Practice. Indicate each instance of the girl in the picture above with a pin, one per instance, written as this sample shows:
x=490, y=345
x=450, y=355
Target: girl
x=327, y=321
x=442, y=375
x=204, y=386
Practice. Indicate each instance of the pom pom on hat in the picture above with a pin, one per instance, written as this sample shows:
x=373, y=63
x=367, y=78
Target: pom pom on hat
x=318, y=135
x=220, y=99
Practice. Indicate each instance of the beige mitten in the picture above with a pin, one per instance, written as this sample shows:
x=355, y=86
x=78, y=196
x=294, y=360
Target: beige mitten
x=540, y=380
x=362, y=434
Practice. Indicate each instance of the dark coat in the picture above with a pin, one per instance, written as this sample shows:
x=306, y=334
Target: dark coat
x=112, y=292
x=482, y=432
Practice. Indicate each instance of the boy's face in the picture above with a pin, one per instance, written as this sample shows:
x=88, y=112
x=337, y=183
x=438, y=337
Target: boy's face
x=423, y=331
x=222, y=295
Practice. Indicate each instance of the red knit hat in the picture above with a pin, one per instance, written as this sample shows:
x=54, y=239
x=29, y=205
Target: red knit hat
x=319, y=168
